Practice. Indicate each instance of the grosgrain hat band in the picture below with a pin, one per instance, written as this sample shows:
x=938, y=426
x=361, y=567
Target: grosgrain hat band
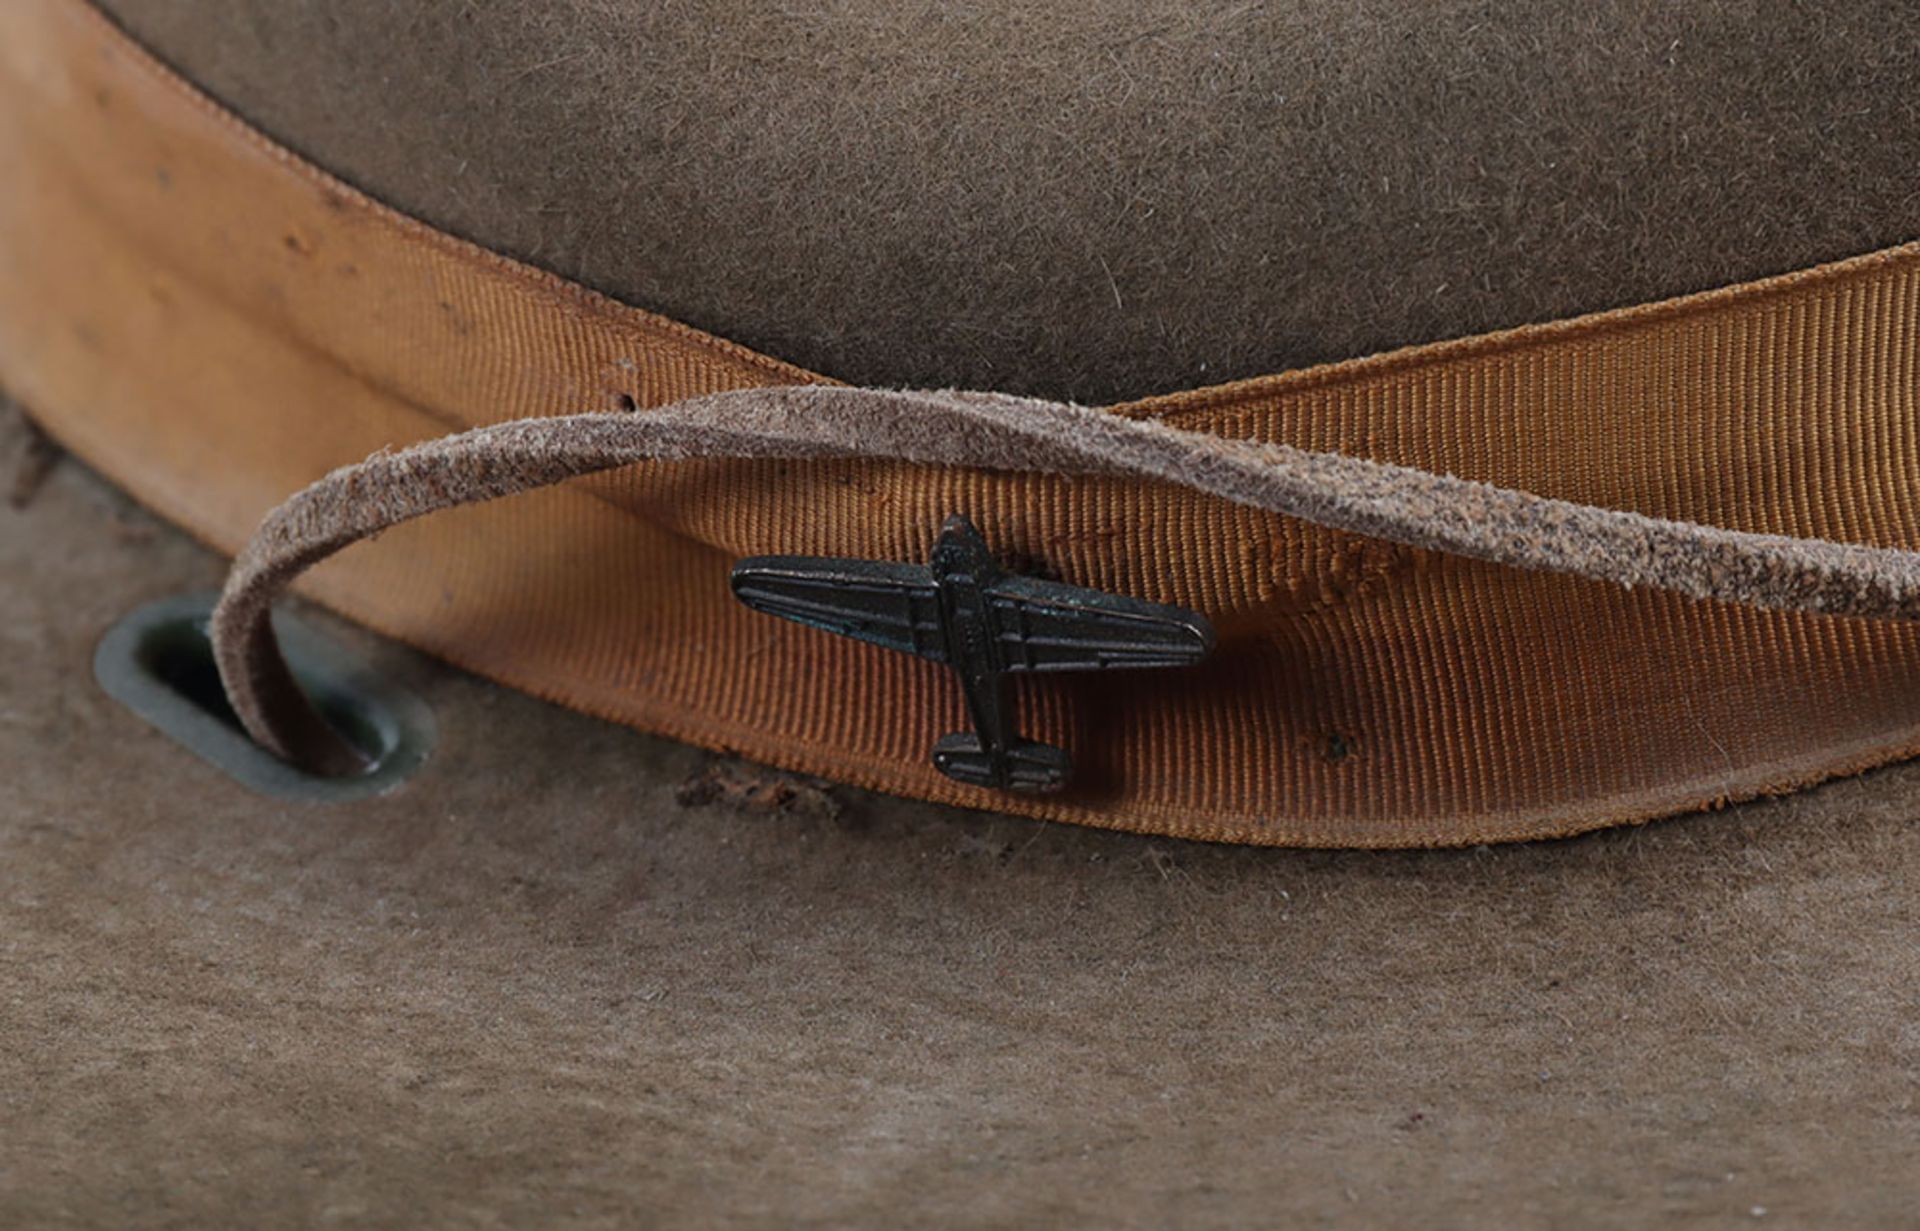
x=216, y=325
x=1409, y=507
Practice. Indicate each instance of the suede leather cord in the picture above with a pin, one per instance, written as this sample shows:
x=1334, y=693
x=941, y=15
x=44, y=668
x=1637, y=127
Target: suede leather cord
x=1000, y=432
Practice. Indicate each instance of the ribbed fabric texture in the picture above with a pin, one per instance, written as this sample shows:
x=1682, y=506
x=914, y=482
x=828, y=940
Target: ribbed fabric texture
x=216, y=325
x=1409, y=508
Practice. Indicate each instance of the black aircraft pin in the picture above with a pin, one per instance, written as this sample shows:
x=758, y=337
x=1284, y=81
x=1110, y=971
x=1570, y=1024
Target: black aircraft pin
x=965, y=612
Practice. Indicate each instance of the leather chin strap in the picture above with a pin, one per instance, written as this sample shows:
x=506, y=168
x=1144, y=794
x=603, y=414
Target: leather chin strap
x=998, y=432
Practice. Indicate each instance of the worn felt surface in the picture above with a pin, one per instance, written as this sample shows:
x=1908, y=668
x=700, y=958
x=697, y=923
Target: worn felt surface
x=534, y=987
x=1102, y=200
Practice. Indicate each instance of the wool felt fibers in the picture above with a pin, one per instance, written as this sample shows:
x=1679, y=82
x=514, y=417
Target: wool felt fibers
x=533, y=988
x=1105, y=200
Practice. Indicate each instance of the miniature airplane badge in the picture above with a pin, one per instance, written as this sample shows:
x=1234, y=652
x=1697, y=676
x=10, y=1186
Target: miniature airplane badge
x=964, y=611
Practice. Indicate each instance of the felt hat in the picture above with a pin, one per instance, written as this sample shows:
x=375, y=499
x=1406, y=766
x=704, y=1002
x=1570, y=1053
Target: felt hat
x=1644, y=261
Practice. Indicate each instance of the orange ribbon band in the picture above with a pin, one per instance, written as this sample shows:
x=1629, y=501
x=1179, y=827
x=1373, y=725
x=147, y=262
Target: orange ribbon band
x=215, y=324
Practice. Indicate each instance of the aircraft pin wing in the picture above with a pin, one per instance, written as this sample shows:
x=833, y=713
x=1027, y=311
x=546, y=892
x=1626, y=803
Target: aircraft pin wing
x=1047, y=626
x=892, y=605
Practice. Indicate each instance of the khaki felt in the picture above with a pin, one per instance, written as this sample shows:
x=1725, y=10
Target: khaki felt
x=533, y=990
x=1107, y=199
x=587, y=1007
